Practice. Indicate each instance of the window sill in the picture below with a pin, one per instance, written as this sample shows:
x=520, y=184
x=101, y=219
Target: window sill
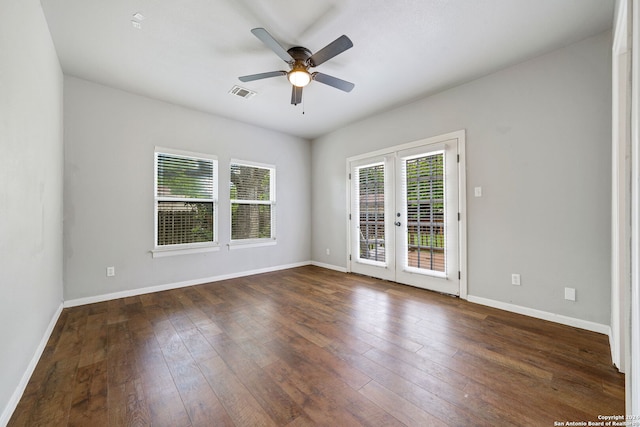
x=240, y=244
x=173, y=251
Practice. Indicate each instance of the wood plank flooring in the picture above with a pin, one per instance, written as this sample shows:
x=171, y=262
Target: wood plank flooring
x=310, y=346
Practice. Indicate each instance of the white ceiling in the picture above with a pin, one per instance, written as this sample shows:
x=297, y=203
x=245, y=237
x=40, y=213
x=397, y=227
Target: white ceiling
x=191, y=52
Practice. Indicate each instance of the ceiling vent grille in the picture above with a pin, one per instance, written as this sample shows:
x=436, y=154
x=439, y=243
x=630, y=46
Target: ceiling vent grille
x=241, y=92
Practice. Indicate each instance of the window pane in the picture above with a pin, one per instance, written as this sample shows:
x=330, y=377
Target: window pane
x=250, y=183
x=371, y=207
x=184, y=177
x=185, y=222
x=250, y=221
x=425, y=212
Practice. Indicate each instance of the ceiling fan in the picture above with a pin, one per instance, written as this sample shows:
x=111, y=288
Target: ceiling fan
x=300, y=59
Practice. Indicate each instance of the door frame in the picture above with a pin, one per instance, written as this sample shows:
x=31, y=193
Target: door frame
x=462, y=196
x=621, y=189
x=633, y=387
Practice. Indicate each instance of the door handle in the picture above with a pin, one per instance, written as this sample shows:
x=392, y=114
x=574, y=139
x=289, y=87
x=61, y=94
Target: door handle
x=397, y=223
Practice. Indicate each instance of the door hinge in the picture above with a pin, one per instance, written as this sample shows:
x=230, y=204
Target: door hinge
x=459, y=275
x=458, y=216
x=349, y=257
x=349, y=176
x=458, y=158
x=349, y=217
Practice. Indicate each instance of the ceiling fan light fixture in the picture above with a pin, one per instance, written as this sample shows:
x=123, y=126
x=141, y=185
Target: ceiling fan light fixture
x=299, y=77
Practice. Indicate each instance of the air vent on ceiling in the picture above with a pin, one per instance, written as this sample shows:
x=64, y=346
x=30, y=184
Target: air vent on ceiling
x=241, y=92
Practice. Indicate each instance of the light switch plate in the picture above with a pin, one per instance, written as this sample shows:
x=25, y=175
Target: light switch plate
x=570, y=294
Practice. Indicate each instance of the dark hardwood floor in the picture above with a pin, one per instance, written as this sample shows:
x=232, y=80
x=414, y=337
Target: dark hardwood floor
x=310, y=346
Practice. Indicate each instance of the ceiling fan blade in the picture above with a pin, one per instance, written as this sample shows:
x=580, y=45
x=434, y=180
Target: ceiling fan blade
x=333, y=81
x=296, y=95
x=253, y=77
x=334, y=48
x=272, y=44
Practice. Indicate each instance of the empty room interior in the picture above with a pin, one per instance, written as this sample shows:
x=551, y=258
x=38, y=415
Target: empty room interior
x=328, y=212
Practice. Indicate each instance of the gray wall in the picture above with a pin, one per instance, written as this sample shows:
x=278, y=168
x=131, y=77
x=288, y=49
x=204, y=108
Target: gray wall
x=108, y=204
x=30, y=190
x=538, y=142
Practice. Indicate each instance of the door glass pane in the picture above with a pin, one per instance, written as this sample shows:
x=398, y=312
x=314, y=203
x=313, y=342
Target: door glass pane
x=371, y=212
x=425, y=212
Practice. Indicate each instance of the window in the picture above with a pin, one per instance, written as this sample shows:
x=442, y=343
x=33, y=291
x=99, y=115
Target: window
x=252, y=194
x=185, y=200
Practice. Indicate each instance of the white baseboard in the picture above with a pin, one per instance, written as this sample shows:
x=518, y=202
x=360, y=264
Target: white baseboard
x=329, y=266
x=544, y=315
x=169, y=286
x=22, y=385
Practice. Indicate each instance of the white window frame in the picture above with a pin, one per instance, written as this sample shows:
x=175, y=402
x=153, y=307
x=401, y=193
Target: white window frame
x=251, y=243
x=185, y=248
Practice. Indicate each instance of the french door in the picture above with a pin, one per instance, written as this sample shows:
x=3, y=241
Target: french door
x=404, y=216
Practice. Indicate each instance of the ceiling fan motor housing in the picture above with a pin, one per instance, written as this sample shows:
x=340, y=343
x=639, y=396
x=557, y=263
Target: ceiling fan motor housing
x=300, y=55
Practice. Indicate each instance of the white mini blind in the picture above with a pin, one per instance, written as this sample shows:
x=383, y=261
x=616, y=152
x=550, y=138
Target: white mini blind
x=185, y=199
x=425, y=190
x=371, y=212
x=184, y=177
x=252, y=189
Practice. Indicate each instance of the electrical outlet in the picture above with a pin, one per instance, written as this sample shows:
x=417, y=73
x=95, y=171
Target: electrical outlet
x=328, y=251
x=570, y=294
x=515, y=279
x=477, y=191
x=111, y=271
